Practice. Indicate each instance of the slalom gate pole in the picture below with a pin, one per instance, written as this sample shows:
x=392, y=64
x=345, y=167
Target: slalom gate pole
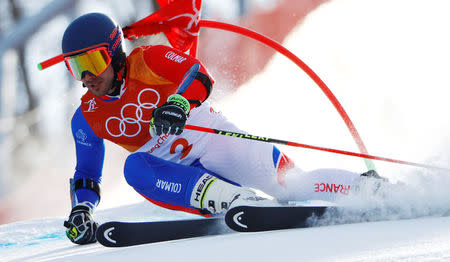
x=294, y=144
x=282, y=50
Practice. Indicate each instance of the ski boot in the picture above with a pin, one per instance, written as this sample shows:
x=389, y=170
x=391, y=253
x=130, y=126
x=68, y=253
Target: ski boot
x=215, y=196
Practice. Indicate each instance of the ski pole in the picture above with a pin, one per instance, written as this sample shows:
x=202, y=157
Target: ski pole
x=294, y=144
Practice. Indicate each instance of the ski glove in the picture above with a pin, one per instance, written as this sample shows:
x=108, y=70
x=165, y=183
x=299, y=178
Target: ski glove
x=80, y=226
x=170, y=118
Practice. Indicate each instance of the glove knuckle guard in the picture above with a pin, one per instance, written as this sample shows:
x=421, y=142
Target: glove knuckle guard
x=80, y=226
x=170, y=118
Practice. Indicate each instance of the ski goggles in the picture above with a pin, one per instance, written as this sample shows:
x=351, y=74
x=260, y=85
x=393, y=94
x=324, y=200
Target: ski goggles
x=94, y=61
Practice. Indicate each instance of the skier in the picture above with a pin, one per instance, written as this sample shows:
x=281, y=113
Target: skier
x=134, y=101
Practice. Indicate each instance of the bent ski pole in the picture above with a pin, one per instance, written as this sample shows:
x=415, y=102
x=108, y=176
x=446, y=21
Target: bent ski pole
x=289, y=143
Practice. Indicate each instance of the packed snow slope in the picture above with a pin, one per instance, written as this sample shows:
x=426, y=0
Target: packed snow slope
x=387, y=63
x=424, y=239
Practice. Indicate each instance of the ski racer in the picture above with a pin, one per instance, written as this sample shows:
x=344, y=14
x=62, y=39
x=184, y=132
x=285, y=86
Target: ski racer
x=135, y=102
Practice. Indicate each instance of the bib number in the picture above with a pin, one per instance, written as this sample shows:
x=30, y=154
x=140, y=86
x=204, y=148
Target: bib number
x=185, y=147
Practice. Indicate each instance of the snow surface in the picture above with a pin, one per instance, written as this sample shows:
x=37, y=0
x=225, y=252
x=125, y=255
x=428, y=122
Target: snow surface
x=422, y=239
x=387, y=62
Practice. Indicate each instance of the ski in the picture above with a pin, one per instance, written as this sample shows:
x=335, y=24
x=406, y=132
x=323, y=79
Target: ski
x=240, y=218
x=256, y=218
x=122, y=234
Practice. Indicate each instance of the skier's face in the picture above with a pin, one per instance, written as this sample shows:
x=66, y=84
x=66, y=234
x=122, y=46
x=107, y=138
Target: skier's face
x=99, y=85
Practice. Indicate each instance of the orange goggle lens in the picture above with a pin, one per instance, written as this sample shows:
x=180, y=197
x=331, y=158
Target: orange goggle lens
x=93, y=61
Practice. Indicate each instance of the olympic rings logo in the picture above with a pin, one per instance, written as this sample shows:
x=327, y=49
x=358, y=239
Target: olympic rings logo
x=125, y=121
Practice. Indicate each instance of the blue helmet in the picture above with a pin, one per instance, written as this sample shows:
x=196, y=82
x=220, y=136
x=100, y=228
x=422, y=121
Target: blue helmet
x=93, y=30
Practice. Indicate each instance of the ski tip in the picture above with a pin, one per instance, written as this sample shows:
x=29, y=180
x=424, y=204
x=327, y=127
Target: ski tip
x=236, y=219
x=106, y=235
x=260, y=218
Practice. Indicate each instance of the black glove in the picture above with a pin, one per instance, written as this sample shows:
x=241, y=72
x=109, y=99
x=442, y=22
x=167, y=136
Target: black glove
x=171, y=117
x=80, y=226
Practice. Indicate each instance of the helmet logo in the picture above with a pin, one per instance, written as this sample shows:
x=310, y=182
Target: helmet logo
x=118, y=39
x=116, y=43
x=113, y=33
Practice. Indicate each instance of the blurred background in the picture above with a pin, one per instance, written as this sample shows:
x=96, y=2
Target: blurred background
x=36, y=147
x=386, y=61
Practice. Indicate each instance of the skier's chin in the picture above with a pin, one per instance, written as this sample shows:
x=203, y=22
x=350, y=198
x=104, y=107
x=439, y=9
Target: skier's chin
x=100, y=90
